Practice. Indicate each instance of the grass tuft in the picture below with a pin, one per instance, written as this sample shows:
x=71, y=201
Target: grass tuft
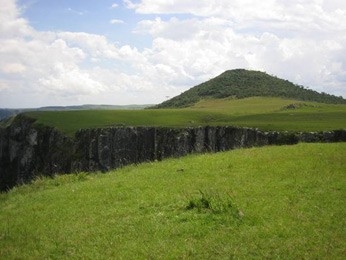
x=214, y=203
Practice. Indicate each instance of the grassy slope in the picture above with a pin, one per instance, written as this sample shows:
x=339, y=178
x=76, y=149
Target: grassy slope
x=265, y=113
x=242, y=83
x=71, y=121
x=288, y=202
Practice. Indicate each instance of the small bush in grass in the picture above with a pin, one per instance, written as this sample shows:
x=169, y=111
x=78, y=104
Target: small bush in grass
x=215, y=203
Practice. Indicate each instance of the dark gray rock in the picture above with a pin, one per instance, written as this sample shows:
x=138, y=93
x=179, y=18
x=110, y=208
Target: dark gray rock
x=28, y=150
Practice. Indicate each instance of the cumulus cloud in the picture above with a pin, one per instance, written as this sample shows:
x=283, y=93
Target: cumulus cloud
x=299, y=40
x=50, y=65
x=114, y=5
x=279, y=16
x=172, y=29
x=11, y=24
x=95, y=45
x=64, y=80
x=303, y=41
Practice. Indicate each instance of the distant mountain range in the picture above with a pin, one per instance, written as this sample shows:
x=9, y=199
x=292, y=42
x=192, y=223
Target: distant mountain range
x=241, y=83
x=6, y=113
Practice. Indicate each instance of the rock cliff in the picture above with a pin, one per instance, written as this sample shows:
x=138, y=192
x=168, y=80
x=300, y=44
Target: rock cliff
x=28, y=150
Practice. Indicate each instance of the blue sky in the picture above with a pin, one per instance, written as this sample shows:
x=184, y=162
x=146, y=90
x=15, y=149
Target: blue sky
x=88, y=16
x=71, y=52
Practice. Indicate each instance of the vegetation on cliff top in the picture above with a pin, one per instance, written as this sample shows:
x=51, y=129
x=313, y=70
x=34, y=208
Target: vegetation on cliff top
x=270, y=202
x=261, y=112
x=241, y=83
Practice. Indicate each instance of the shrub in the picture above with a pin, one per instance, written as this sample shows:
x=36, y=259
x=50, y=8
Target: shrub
x=215, y=203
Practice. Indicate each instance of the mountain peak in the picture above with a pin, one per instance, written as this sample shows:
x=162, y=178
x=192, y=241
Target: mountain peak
x=242, y=83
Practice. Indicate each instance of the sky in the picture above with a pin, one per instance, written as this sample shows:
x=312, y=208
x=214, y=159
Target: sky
x=72, y=52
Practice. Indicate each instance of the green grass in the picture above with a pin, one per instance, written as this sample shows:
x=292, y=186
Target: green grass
x=70, y=121
x=261, y=112
x=245, y=106
x=273, y=202
x=295, y=121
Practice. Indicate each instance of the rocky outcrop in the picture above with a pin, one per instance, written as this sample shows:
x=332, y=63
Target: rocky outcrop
x=109, y=148
x=28, y=150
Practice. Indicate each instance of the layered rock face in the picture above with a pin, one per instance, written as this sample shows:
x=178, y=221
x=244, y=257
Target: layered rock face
x=27, y=151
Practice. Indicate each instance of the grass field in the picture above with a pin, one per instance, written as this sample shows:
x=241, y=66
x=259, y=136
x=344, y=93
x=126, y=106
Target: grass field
x=252, y=105
x=273, y=202
x=264, y=113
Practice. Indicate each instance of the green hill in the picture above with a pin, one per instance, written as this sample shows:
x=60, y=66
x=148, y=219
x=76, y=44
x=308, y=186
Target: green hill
x=242, y=83
x=283, y=202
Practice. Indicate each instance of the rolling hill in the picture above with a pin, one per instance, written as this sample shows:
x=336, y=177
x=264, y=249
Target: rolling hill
x=241, y=83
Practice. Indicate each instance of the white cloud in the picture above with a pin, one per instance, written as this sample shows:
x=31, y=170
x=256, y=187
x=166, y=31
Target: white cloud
x=316, y=18
x=70, y=80
x=98, y=47
x=172, y=29
x=116, y=21
x=115, y=5
x=42, y=67
x=95, y=45
x=11, y=24
x=10, y=68
x=129, y=4
x=45, y=63
x=303, y=41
